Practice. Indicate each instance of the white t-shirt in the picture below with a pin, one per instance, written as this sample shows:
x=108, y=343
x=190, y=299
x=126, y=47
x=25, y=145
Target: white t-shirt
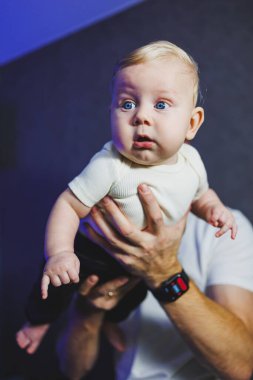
x=174, y=186
x=156, y=350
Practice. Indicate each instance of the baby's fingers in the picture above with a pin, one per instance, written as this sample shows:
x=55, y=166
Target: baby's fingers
x=73, y=275
x=223, y=230
x=216, y=218
x=64, y=278
x=229, y=225
x=44, y=286
x=87, y=285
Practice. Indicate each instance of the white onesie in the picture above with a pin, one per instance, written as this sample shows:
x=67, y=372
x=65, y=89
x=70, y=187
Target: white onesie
x=174, y=186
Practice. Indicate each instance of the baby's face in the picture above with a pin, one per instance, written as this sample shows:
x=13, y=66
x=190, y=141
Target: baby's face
x=151, y=110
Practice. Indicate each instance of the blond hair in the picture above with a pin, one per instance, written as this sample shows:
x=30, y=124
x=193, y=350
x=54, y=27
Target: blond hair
x=159, y=50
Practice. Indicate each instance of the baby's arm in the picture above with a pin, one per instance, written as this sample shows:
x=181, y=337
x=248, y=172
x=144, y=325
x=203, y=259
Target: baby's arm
x=210, y=208
x=62, y=264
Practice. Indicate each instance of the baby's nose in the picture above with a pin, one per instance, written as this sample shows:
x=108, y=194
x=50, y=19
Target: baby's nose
x=142, y=117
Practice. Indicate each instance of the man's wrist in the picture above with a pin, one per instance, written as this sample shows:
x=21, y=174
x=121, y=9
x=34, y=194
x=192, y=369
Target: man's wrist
x=172, y=288
x=84, y=307
x=159, y=279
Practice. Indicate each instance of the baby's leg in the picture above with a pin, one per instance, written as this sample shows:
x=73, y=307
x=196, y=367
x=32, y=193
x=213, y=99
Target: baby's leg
x=30, y=336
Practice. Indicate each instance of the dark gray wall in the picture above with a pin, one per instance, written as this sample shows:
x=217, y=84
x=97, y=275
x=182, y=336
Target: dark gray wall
x=54, y=116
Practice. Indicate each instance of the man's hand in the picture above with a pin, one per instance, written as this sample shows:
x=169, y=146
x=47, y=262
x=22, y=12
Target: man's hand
x=60, y=269
x=107, y=295
x=100, y=298
x=78, y=346
x=150, y=254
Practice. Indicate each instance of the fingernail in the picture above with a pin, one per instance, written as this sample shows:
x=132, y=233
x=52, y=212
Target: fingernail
x=106, y=200
x=143, y=188
x=124, y=280
x=93, y=279
x=94, y=209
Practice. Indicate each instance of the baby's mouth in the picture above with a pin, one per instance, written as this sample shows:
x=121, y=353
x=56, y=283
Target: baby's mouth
x=143, y=142
x=141, y=138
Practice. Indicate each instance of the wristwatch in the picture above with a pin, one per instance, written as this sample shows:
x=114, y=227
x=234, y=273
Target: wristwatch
x=173, y=288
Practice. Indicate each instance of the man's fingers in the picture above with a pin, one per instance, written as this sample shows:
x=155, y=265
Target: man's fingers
x=87, y=285
x=113, y=285
x=132, y=282
x=44, y=286
x=113, y=241
x=96, y=238
x=113, y=246
x=118, y=220
x=182, y=222
x=151, y=208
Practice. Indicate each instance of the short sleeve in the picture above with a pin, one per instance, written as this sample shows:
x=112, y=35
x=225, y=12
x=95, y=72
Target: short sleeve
x=95, y=181
x=192, y=156
x=232, y=260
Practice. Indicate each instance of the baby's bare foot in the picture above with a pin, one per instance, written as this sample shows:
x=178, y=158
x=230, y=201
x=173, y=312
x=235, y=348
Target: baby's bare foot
x=30, y=336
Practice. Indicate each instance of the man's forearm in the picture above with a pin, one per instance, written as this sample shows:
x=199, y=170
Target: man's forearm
x=218, y=338
x=79, y=346
x=216, y=334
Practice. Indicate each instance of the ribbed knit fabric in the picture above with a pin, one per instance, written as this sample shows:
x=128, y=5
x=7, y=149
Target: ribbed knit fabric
x=174, y=186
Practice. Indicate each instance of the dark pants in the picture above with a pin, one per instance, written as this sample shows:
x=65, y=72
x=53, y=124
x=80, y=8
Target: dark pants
x=93, y=260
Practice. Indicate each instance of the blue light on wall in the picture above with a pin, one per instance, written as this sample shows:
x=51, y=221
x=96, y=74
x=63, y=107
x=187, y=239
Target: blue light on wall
x=26, y=25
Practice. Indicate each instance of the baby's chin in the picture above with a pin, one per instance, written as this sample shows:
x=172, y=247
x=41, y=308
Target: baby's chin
x=145, y=161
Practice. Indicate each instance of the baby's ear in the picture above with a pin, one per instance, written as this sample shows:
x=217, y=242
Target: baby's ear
x=196, y=121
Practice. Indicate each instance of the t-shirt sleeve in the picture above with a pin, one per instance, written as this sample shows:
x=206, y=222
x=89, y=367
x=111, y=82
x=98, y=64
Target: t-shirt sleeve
x=193, y=157
x=96, y=179
x=232, y=260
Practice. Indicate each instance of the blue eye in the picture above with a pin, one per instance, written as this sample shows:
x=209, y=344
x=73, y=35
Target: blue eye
x=161, y=105
x=128, y=105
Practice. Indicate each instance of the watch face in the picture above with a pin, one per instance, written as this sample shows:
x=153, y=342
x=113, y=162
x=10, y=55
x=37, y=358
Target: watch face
x=179, y=285
x=173, y=288
x=176, y=287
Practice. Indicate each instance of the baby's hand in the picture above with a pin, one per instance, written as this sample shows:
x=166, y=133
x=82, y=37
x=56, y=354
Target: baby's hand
x=219, y=216
x=60, y=269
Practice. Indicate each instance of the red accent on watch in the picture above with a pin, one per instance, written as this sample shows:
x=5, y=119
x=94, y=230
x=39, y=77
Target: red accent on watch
x=173, y=288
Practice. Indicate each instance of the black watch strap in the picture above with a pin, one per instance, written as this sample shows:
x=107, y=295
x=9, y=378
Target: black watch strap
x=173, y=288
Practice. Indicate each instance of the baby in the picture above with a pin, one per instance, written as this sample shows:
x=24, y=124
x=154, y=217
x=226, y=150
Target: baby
x=153, y=116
